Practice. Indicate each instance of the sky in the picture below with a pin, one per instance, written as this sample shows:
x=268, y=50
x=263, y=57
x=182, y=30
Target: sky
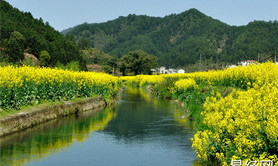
x=63, y=14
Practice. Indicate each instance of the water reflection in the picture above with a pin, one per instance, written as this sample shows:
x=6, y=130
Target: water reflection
x=140, y=130
x=156, y=122
x=52, y=137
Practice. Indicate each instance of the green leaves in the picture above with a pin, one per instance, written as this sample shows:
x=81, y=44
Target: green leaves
x=138, y=62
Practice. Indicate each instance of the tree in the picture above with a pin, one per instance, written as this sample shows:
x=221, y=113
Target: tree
x=107, y=69
x=44, y=58
x=94, y=56
x=15, y=46
x=110, y=64
x=138, y=62
x=83, y=44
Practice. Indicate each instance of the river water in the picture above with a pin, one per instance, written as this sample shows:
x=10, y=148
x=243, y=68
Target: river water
x=139, y=130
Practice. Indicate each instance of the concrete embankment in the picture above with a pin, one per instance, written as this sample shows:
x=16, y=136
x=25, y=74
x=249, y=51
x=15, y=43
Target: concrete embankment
x=25, y=119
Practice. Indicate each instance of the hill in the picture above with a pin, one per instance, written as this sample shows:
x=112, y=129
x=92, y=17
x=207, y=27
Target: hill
x=20, y=32
x=179, y=39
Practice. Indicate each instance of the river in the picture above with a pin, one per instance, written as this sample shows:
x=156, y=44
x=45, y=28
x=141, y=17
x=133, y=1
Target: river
x=139, y=130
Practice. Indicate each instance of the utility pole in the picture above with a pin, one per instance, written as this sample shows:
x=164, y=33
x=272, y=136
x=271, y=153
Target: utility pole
x=200, y=63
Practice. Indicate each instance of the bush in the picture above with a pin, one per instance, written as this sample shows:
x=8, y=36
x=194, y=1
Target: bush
x=44, y=58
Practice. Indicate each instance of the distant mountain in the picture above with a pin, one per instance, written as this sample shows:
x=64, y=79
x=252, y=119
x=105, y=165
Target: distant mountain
x=20, y=32
x=179, y=39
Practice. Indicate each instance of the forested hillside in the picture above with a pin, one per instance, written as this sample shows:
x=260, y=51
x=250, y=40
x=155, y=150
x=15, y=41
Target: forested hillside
x=179, y=39
x=20, y=33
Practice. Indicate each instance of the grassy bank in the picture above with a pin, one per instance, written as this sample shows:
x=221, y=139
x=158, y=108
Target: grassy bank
x=39, y=106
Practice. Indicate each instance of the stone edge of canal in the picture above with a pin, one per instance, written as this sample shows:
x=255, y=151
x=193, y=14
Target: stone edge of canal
x=25, y=119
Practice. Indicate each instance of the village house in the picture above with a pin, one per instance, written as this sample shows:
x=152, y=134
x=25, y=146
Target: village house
x=163, y=70
x=181, y=71
x=247, y=62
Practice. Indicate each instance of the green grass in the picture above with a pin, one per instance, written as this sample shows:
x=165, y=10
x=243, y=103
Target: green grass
x=4, y=113
x=194, y=101
x=82, y=98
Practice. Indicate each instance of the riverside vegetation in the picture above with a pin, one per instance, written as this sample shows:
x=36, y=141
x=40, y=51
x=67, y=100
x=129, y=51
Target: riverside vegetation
x=234, y=110
x=23, y=86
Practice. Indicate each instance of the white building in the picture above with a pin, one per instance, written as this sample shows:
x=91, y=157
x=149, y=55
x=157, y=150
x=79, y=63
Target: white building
x=162, y=70
x=232, y=66
x=181, y=71
x=172, y=71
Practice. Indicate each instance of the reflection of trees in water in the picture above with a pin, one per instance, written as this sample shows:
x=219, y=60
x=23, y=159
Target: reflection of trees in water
x=142, y=117
x=181, y=116
x=56, y=137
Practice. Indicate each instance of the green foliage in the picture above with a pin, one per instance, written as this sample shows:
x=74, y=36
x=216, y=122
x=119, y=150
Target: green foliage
x=15, y=46
x=178, y=39
x=59, y=65
x=257, y=40
x=94, y=56
x=107, y=69
x=110, y=64
x=83, y=44
x=5, y=63
x=74, y=66
x=20, y=32
x=137, y=62
x=29, y=62
x=163, y=89
x=44, y=58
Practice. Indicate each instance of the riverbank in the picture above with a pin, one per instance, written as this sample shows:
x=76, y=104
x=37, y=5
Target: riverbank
x=42, y=113
x=192, y=100
x=24, y=87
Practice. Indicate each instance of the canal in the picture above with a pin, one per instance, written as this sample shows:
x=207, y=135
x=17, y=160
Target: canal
x=139, y=130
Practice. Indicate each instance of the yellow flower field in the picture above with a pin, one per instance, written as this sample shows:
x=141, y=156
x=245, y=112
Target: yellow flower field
x=184, y=84
x=31, y=85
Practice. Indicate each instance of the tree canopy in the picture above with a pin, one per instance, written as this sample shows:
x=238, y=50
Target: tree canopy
x=137, y=62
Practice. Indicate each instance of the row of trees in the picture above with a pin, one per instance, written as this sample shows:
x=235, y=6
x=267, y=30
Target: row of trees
x=133, y=63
